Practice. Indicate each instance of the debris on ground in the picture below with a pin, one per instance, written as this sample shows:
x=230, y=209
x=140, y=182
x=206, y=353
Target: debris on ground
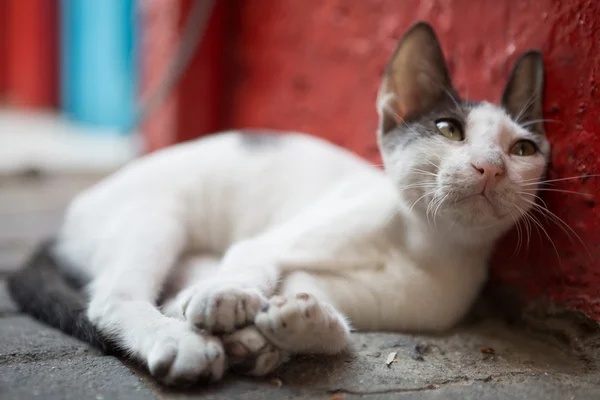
x=390, y=358
x=488, y=353
x=277, y=382
x=418, y=350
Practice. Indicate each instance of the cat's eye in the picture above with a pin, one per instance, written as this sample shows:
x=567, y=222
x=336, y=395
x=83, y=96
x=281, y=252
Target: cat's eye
x=451, y=129
x=523, y=148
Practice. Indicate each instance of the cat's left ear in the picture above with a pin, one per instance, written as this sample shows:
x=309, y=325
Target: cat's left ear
x=524, y=93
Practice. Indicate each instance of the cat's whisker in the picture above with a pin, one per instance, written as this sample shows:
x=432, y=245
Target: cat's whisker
x=528, y=104
x=520, y=233
x=418, y=185
x=518, y=228
x=432, y=209
x=535, y=121
x=524, y=215
x=538, y=198
x=556, y=180
x=399, y=118
x=541, y=227
x=416, y=201
x=423, y=172
x=458, y=107
x=438, y=208
x=429, y=208
x=563, y=191
x=437, y=167
x=566, y=228
x=529, y=228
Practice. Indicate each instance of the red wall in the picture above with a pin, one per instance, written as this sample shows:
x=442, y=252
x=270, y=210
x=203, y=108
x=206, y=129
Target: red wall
x=193, y=108
x=31, y=64
x=315, y=66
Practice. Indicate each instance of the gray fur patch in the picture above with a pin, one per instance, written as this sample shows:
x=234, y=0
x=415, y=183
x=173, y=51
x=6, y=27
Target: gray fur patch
x=254, y=139
x=424, y=125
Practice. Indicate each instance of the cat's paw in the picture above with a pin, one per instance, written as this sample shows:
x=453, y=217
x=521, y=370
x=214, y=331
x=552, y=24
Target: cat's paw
x=222, y=308
x=302, y=324
x=250, y=353
x=179, y=356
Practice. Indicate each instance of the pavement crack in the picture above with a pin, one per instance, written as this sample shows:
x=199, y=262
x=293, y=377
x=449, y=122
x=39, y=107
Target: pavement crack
x=432, y=386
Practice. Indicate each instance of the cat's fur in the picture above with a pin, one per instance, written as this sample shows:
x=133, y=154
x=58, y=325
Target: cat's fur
x=233, y=252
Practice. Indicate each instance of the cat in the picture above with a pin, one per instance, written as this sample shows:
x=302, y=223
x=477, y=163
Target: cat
x=235, y=251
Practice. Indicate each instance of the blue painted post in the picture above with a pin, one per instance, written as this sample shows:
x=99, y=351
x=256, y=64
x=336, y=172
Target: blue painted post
x=99, y=66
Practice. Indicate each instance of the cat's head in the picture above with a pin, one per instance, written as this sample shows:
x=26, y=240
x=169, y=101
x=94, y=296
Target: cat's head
x=471, y=168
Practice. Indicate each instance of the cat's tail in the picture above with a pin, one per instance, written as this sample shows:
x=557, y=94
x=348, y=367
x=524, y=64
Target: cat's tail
x=43, y=290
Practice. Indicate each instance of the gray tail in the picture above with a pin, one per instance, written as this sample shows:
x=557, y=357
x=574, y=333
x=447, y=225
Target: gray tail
x=43, y=290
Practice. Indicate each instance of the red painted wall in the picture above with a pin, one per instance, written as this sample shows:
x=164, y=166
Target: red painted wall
x=3, y=50
x=315, y=66
x=31, y=53
x=193, y=109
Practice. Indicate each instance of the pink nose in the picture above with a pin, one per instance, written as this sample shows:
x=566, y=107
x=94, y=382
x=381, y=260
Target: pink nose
x=489, y=170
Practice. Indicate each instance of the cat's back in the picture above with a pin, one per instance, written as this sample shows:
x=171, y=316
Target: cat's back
x=234, y=157
x=236, y=182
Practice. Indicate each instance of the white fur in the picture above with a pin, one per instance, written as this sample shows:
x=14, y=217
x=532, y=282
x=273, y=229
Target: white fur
x=298, y=216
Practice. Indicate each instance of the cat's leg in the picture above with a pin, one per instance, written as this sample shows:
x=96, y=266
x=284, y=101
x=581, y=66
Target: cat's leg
x=332, y=234
x=302, y=320
x=233, y=295
x=134, y=265
x=191, y=270
x=248, y=351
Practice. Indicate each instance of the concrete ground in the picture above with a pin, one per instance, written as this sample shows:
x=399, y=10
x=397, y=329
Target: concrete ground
x=484, y=359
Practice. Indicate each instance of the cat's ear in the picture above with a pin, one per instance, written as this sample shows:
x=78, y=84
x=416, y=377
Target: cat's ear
x=415, y=78
x=523, y=95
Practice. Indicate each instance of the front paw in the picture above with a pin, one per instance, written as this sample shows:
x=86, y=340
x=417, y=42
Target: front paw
x=250, y=353
x=180, y=357
x=302, y=324
x=222, y=308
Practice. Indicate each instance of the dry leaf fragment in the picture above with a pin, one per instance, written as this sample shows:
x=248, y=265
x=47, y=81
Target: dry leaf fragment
x=277, y=382
x=390, y=358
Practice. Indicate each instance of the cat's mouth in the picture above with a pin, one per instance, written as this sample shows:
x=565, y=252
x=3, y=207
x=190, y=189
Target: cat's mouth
x=476, y=196
x=481, y=197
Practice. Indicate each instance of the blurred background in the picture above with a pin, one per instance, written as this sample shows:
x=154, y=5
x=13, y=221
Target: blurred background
x=73, y=74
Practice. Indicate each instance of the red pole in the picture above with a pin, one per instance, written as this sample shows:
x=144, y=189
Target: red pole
x=32, y=56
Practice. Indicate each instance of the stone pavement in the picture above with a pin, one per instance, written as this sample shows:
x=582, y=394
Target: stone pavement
x=484, y=359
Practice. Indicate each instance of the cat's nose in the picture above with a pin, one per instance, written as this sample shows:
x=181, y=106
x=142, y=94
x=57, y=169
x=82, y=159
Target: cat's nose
x=489, y=170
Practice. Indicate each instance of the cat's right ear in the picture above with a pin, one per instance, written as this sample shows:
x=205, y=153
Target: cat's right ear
x=415, y=78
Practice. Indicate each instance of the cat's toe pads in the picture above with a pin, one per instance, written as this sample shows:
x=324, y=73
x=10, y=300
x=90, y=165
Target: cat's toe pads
x=250, y=353
x=183, y=357
x=302, y=324
x=223, y=309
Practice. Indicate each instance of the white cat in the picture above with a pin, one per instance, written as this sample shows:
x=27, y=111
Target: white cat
x=236, y=250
